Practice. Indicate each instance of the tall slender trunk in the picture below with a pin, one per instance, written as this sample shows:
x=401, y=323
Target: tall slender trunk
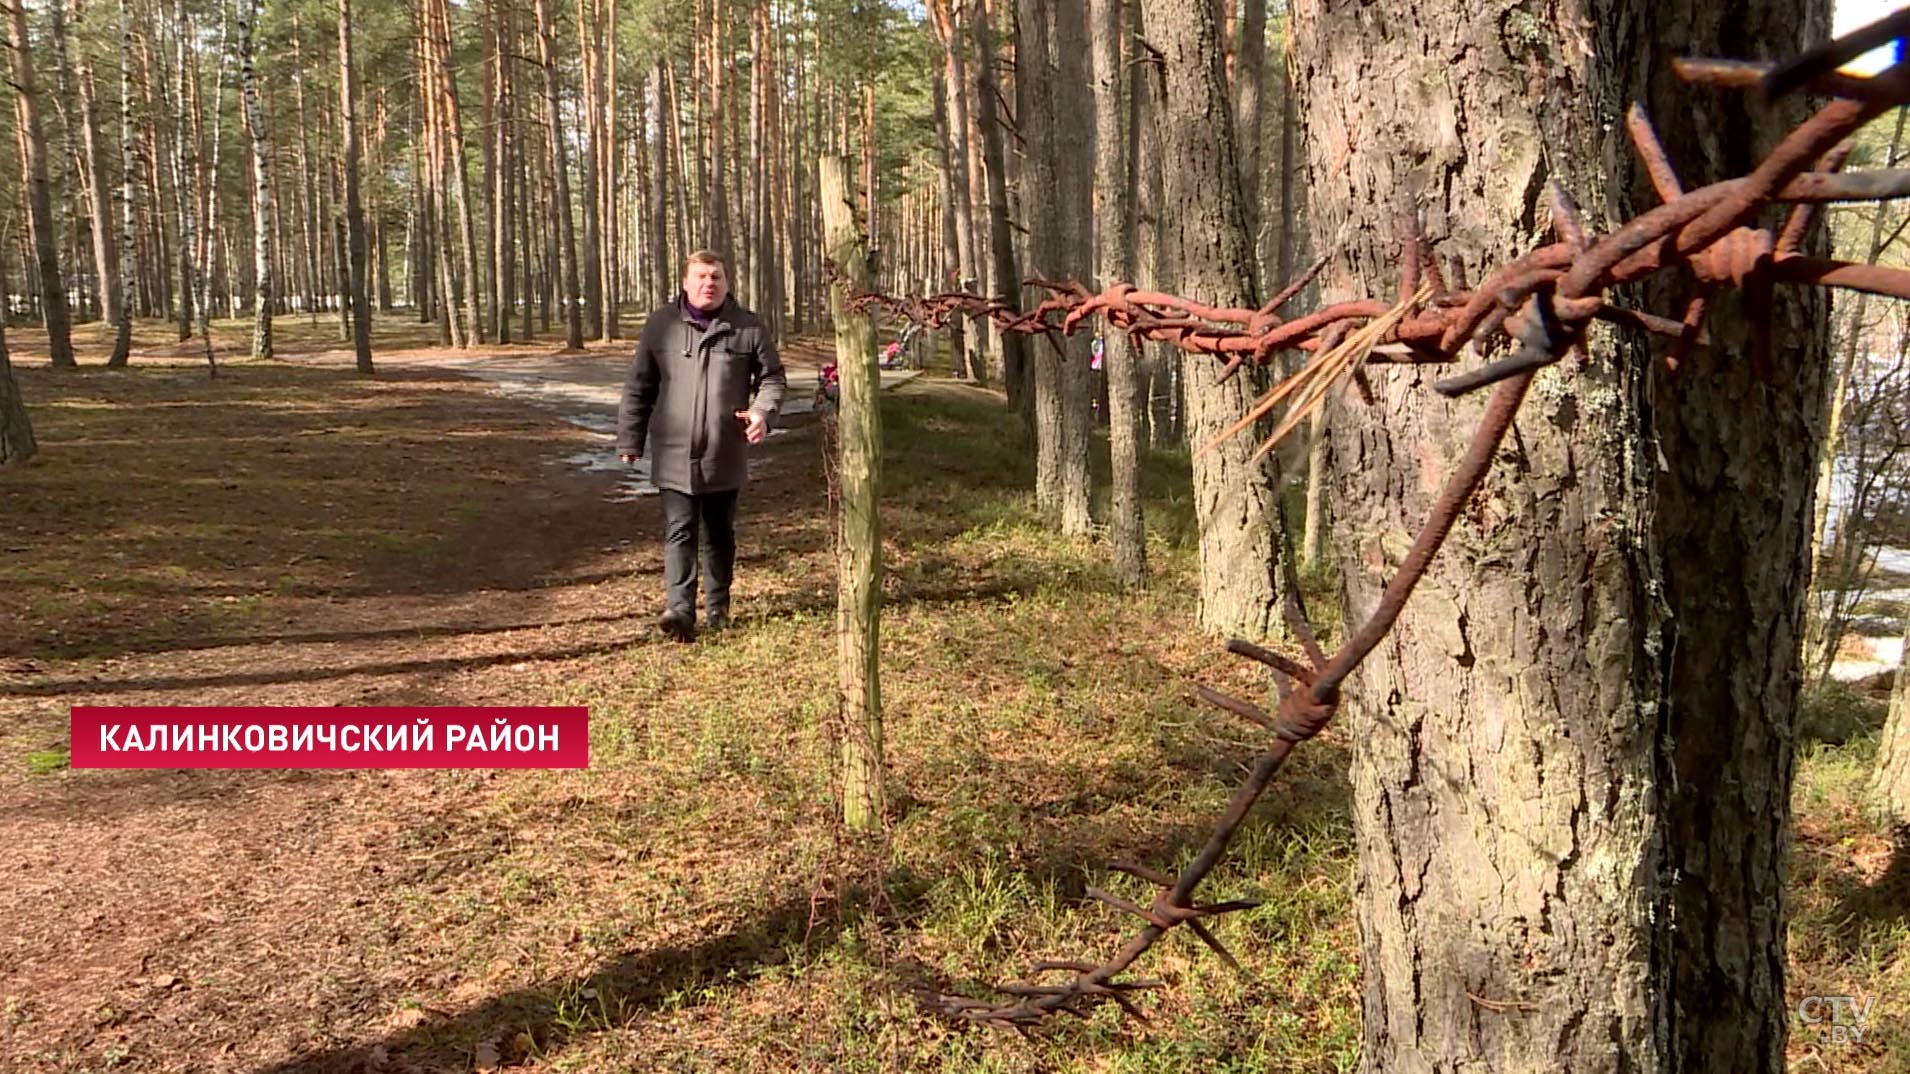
x=612, y=273
x=959, y=194
x=560, y=178
x=490, y=149
x=354, y=220
x=1234, y=499
x=105, y=228
x=460, y=181
x=661, y=276
x=1249, y=83
x=591, y=265
x=1036, y=88
x=306, y=191
x=128, y=188
x=1074, y=155
x=1114, y=262
x=46, y=248
x=265, y=221
x=1007, y=275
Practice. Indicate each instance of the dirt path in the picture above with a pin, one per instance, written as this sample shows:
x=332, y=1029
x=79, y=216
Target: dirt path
x=290, y=536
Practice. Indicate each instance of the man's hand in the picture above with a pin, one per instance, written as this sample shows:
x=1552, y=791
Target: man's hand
x=755, y=427
x=629, y=458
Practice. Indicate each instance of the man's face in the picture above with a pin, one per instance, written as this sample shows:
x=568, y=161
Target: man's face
x=707, y=286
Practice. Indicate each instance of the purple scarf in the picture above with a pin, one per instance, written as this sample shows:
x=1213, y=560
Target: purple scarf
x=702, y=320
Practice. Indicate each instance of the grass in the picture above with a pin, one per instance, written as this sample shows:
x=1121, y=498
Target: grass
x=687, y=903
x=1849, y=935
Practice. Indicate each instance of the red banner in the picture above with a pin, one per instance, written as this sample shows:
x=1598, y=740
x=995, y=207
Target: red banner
x=267, y=737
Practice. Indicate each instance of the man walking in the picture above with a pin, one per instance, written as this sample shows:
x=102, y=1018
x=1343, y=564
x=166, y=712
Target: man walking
x=698, y=361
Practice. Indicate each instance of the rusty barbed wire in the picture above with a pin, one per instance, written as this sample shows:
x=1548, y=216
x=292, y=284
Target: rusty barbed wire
x=1540, y=304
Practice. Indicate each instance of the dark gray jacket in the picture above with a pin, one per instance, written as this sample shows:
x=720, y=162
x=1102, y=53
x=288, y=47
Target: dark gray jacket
x=684, y=389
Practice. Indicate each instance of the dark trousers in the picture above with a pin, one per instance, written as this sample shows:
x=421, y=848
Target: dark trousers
x=683, y=515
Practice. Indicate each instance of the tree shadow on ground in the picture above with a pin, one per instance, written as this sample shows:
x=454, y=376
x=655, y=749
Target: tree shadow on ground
x=1883, y=900
x=558, y=1011
x=72, y=688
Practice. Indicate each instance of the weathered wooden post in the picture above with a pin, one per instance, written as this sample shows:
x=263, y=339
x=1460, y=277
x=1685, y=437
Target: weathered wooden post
x=859, y=546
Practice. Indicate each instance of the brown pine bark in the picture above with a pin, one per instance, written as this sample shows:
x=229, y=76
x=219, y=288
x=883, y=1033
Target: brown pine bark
x=99, y=197
x=469, y=287
x=1238, y=511
x=610, y=184
x=1074, y=154
x=565, y=236
x=1007, y=275
x=1044, y=213
x=46, y=248
x=590, y=267
x=354, y=220
x=17, y=444
x=1114, y=262
x=1554, y=811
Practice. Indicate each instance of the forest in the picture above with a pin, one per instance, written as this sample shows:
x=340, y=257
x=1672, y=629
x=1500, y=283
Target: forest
x=1301, y=535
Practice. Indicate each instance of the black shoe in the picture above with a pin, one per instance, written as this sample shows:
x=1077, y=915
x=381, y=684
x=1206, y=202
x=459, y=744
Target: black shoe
x=717, y=621
x=678, y=626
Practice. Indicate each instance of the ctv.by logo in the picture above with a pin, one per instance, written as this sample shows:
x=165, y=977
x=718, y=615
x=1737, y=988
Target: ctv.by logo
x=1842, y=1019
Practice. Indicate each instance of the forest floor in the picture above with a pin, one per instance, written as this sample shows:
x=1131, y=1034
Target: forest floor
x=290, y=533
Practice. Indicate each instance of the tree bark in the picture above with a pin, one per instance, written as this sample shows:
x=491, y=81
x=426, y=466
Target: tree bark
x=1035, y=91
x=1007, y=274
x=1234, y=500
x=1073, y=156
x=16, y=428
x=99, y=196
x=1569, y=842
x=1127, y=535
x=560, y=177
x=459, y=182
x=662, y=274
x=265, y=221
x=859, y=548
x=354, y=220
x=590, y=267
x=46, y=246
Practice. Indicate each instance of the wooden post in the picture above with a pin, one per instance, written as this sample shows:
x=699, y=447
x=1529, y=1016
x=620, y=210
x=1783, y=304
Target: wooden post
x=859, y=548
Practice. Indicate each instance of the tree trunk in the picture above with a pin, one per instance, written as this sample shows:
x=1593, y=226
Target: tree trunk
x=1036, y=87
x=459, y=182
x=128, y=187
x=591, y=267
x=1249, y=83
x=1127, y=535
x=859, y=548
x=958, y=192
x=560, y=177
x=662, y=272
x=265, y=221
x=1073, y=156
x=112, y=286
x=1007, y=274
x=16, y=428
x=1234, y=500
x=612, y=239
x=46, y=246
x=354, y=221
x=1569, y=842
